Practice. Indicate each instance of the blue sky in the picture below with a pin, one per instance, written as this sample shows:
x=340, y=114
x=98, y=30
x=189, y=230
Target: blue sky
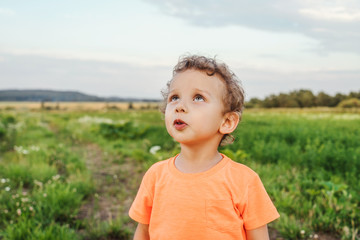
x=128, y=48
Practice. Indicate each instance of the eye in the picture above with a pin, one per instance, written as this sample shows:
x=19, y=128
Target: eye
x=173, y=98
x=199, y=98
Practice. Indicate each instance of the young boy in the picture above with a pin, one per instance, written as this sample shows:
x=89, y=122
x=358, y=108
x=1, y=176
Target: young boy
x=200, y=193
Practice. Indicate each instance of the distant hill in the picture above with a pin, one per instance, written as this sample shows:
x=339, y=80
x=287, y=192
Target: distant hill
x=59, y=96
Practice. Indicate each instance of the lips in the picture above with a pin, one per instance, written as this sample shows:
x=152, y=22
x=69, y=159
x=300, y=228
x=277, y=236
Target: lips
x=179, y=124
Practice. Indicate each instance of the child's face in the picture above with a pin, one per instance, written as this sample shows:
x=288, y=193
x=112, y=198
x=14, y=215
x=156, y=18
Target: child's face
x=195, y=108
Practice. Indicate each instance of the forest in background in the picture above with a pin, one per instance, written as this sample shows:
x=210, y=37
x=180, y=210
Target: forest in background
x=306, y=98
x=302, y=98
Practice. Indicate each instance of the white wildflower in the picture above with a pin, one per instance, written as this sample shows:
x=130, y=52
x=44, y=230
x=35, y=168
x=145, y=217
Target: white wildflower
x=56, y=177
x=34, y=148
x=18, y=148
x=88, y=119
x=45, y=195
x=3, y=180
x=21, y=149
x=7, y=189
x=302, y=232
x=154, y=149
x=38, y=183
x=6, y=211
x=31, y=208
x=24, y=199
x=18, y=211
x=316, y=236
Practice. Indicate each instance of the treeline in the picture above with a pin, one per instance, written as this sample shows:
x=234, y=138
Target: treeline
x=305, y=98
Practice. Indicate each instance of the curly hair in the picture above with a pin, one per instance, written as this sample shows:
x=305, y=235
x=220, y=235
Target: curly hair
x=233, y=99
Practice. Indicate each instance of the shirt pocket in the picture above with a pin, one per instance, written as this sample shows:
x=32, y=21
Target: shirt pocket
x=221, y=215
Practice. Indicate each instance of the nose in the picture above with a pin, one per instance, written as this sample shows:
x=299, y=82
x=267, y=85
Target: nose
x=180, y=107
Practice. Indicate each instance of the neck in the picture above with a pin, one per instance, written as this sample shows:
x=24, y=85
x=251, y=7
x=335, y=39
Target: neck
x=197, y=158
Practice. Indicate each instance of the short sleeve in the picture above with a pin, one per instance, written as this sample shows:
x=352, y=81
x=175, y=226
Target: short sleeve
x=259, y=209
x=140, y=209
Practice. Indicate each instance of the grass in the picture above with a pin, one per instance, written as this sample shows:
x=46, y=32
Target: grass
x=53, y=163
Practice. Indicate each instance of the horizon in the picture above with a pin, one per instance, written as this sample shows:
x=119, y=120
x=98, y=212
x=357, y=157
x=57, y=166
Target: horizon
x=160, y=99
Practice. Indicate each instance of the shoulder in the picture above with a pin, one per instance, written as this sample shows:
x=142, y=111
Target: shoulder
x=158, y=166
x=241, y=169
x=157, y=169
x=240, y=175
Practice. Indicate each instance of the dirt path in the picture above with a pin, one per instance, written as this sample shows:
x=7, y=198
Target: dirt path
x=116, y=182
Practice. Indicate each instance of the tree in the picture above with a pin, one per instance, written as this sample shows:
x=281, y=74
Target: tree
x=323, y=99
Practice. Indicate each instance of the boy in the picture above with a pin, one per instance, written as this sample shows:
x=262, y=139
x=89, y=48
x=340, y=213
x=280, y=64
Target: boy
x=202, y=194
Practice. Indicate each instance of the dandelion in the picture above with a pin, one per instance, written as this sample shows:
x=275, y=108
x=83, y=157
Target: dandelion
x=154, y=149
x=18, y=211
x=7, y=189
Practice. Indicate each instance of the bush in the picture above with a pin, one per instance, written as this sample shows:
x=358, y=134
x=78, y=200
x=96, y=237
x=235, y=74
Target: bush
x=350, y=103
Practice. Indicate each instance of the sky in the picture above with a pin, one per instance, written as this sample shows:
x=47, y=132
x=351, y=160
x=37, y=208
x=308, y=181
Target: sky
x=128, y=48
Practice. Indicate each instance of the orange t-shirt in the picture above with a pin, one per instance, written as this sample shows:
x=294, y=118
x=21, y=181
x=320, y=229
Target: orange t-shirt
x=220, y=203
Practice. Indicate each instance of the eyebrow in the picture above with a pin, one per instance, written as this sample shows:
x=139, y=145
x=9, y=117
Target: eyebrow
x=204, y=91
x=195, y=89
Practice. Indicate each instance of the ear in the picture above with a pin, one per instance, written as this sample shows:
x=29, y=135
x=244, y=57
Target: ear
x=230, y=122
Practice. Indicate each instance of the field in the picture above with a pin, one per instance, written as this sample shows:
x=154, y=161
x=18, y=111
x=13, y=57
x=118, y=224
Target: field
x=72, y=173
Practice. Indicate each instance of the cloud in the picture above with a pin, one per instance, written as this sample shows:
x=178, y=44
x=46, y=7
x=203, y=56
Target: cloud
x=6, y=12
x=261, y=83
x=100, y=78
x=335, y=14
x=334, y=23
x=122, y=79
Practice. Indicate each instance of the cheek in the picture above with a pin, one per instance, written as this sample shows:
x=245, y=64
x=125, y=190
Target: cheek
x=167, y=118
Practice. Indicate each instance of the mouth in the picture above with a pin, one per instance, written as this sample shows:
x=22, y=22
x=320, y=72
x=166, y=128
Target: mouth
x=179, y=124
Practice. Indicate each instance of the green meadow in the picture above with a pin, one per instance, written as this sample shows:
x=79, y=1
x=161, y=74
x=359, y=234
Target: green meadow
x=73, y=174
